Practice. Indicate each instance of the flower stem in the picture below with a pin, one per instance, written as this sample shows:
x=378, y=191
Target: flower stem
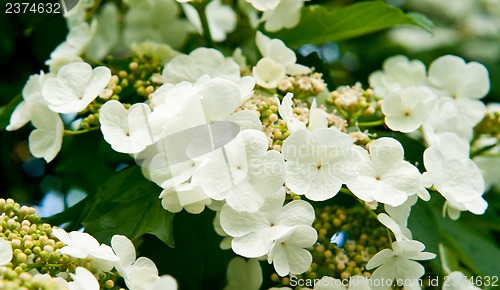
x=371, y=124
x=39, y=265
x=70, y=133
x=204, y=23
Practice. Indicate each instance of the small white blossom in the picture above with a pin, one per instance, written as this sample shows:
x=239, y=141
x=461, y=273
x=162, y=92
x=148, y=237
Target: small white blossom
x=285, y=15
x=385, y=176
x=243, y=275
x=317, y=163
x=221, y=19
x=398, y=72
x=75, y=87
x=46, y=140
x=201, y=61
x=5, y=252
x=400, y=262
x=255, y=233
x=464, y=83
x=141, y=273
x=288, y=254
x=407, y=109
x=83, y=279
x=454, y=174
x=107, y=33
x=126, y=130
x=82, y=245
x=278, y=60
x=192, y=199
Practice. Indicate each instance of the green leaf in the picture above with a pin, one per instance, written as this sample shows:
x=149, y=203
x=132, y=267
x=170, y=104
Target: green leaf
x=319, y=25
x=7, y=110
x=478, y=252
x=128, y=204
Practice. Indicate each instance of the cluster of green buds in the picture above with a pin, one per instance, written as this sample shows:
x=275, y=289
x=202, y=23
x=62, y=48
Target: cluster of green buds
x=364, y=237
x=490, y=125
x=36, y=253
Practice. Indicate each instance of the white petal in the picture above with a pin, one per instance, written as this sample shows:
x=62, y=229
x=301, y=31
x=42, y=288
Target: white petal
x=46, y=140
x=268, y=73
x=84, y=279
x=5, y=252
x=124, y=249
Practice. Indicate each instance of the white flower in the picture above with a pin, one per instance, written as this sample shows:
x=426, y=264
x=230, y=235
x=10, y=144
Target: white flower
x=221, y=19
x=5, y=252
x=155, y=20
x=141, y=273
x=243, y=275
x=264, y=5
x=458, y=281
x=317, y=163
x=396, y=218
x=285, y=15
x=465, y=83
x=192, y=199
x=107, y=34
x=278, y=60
x=317, y=117
x=407, y=109
x=46, y=140
x=126, y=130
x=385, y=176
x=288, y=254
x=255, y=233
x=400, y=262
x=83, y=279
x=201, y=61
x=244, y=173
x=183, y=106
x=32, y=95
x=454, y=174
x=445, y=116
x=398, y=72
x=82, y=245
x=55, y=282
x=75, y=87
x=71, y=49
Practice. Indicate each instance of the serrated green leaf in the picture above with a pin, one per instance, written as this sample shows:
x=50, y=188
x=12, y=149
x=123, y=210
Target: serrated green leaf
x=128, y=204
x=7, y=110
x=319, y=24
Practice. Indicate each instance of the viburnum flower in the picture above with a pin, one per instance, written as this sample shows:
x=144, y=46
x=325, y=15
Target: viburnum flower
x=83, y=279
x=288, y=254
x=244, y=173
x=278, y=60
x=141, y=273
x=264, y=5
x=454, y=174
x=398, y=72
x=399, y=263
x=77, y=41
x=407, y=109
x=155, y=20
x=243, y=275
x=445, y=116
x=192, y=199
x=317, y=117
x=75, y=87
x=5, y=252
x=384, y=175
x=317, y=163
x=127, y=131
x=465, y=83
x=201, y=61
x=220, y=17
x=255, y=233
x=107, y=34
x=46, y=140
x=396, y=218
x=183, y=106
x=32, y=95
x=285, y=15
x=82, y=245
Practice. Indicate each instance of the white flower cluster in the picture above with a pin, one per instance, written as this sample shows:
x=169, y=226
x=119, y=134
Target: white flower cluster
x=444, y=103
